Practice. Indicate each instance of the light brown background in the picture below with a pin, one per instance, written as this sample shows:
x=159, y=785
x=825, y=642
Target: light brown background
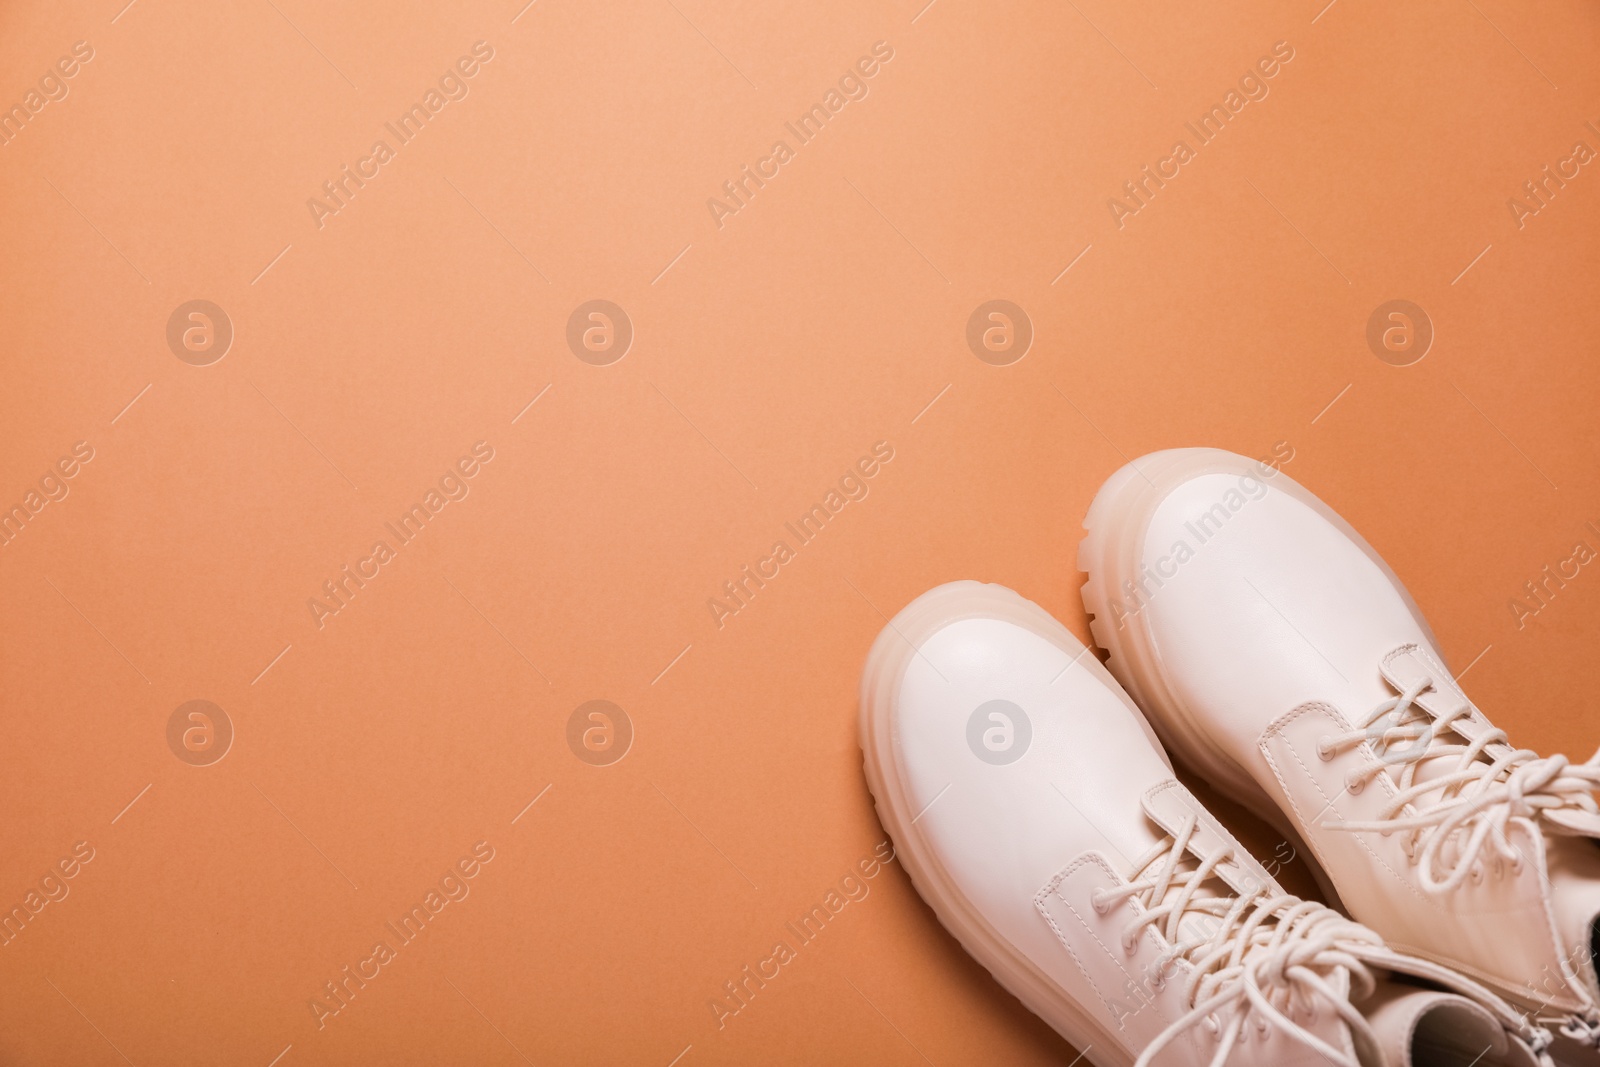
x=823, y=317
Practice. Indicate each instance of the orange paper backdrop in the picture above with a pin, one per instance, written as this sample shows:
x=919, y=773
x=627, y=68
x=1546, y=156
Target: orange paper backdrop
x=388, y=327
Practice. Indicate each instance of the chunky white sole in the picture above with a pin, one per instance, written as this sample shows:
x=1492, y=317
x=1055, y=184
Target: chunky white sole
x=1109, y=554
x=885, y=665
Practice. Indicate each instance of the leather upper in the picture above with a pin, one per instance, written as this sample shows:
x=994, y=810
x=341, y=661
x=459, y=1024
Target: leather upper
x=1029, y=843
x=1277, y=632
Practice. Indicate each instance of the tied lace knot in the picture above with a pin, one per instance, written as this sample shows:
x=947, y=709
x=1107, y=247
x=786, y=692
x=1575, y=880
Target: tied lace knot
x=1584, y=1029
x=1533, y=778
x=1478, y=795
x=1261, y=957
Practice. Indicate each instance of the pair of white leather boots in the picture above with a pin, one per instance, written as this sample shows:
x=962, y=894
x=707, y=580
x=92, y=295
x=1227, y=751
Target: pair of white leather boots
x=1276, y=655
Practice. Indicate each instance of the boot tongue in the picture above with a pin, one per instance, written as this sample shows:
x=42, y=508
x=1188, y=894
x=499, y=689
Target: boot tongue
x=1404, y=668
x=1424, y=1028
x=1410, y=664
x=1171, y=806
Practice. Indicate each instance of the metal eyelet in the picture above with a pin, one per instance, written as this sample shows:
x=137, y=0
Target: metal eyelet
x=1098, y=901
x=1324, y=750
x=1354, y=783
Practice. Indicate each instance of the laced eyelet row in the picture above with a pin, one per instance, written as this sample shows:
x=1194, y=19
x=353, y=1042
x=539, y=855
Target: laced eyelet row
x=1204, y=940
x=1488, y=782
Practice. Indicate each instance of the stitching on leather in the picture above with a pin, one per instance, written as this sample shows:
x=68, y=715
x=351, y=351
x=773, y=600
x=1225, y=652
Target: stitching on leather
x=1442, y=681
x=1438, y=671
x=1388, y=786
x=1242, y=861
x=1052, y=888
x=1156, y=790
x=1405, y=649
x=1275, y=729
x=1438, y=674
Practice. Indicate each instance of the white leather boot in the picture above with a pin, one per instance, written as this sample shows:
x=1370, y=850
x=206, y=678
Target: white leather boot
x=1278, y=656
x=1038, y=816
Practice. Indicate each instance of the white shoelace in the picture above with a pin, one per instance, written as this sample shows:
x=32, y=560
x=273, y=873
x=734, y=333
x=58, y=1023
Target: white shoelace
x=1270, y=953
x=1481, y=794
